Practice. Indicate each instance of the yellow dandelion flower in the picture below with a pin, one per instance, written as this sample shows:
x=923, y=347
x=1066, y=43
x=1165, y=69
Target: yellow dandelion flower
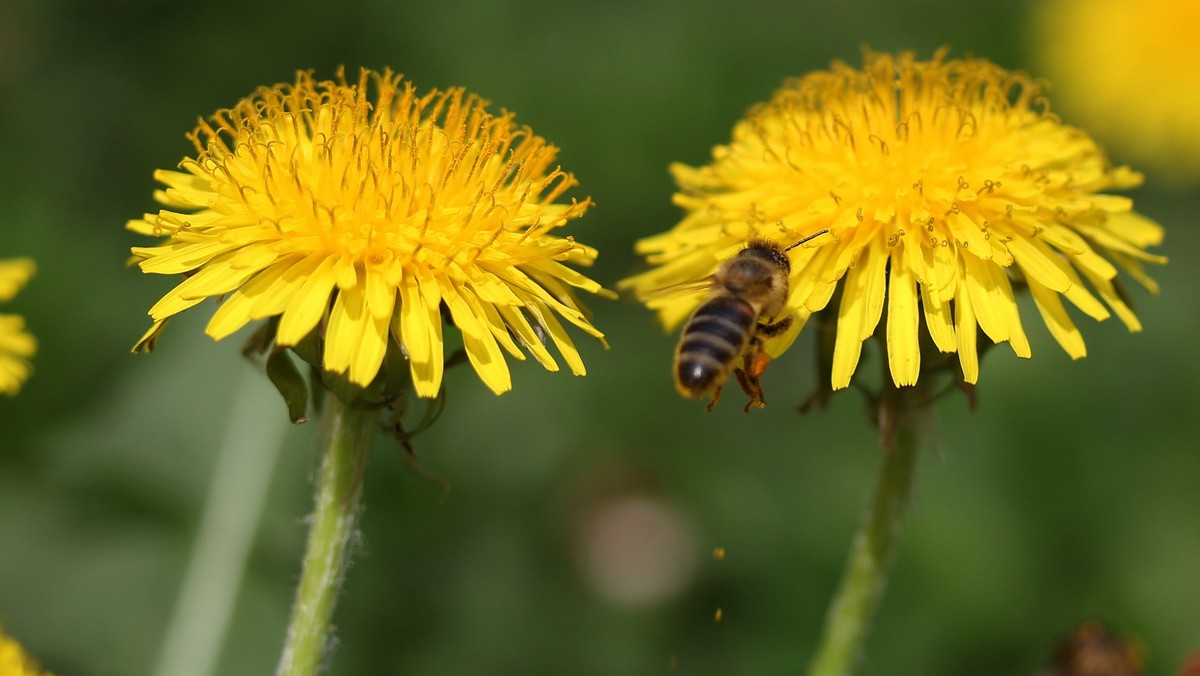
x=945, y=185
x=17, y=347
x=13, y=660
x=363, y=209
x=1129, y=70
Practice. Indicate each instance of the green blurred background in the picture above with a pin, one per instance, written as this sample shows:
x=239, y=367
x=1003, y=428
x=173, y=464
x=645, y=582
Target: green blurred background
x=578, y=534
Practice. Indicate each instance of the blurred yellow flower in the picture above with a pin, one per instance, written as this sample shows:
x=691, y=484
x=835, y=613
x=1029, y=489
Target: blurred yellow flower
x=362, y=210
x=945, y=185
x=1129, y=70
x=17, y=347
x=13, y=660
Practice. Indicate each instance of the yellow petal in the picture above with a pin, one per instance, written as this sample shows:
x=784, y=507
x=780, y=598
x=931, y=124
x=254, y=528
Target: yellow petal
x=14, y=273
x=904, y=354
x=171, y=304
x=231, y=315
x=254, y=256
x=1081, y=298
x=274, y=299
x=418, y=327
x=179, y=258
x=13, y=339
x=1055, y=315
x=346, y=335
x=939, y=320
x=150, y=337
x=874, y=289
x=495, y=324
x=965, y=324
x=307, y=306
x=1038, y=262
x=986, y=297
x=214, y=279
x=912, y=255
x=528, y=337
x=345, y=272
x=1077, y=250
x=779, y=344
x=1106, y=239
x=555, y=270
x=862, y=305
x=1017, y=339
x=941, y=264
x=553, y=294
x=186, y=191
x=1109, y=293
x=481, y=347
x=562, y=340
x=847, y=348
x=846, y=251
x=380, y=294
x=1135, y=228
x=372, y=347
x=969, y=235
x=813, y=284
x=1135, y=270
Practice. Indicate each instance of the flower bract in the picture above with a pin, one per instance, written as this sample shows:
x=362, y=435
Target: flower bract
x=946, y=187
x=366, y=211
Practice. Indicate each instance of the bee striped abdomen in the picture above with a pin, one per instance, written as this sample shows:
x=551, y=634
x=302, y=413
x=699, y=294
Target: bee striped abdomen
x=714, y=337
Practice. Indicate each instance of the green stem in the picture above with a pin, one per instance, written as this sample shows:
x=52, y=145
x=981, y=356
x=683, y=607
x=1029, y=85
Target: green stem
x=349, y=433
x=901, y=415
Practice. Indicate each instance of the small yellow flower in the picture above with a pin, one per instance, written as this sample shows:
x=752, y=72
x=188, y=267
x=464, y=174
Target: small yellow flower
x=363, y=210
x=14, y=661
x=17, y=347
x=1129, y=70
x=945, y=185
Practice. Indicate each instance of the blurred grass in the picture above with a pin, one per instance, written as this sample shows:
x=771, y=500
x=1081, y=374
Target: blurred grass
x=1070, y=493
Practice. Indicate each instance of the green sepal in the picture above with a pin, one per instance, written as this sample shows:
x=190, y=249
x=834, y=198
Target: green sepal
x=309, y=349
x=395, y=374
x=261, y=340
x=290, y=384
x=347, y=391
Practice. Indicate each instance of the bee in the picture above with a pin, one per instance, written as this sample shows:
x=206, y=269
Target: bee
x=726, y=333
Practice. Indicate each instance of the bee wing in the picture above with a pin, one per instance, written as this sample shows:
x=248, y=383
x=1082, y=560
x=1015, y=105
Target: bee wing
x=691, y=287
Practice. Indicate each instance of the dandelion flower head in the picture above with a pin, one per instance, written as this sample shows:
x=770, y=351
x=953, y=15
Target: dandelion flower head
x=362, y=210
x=17, y=347
x=1129, y=70
x=945, y=186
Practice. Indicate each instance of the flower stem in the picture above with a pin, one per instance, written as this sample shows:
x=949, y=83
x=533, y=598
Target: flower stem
x=901, y=416
x=349, y=433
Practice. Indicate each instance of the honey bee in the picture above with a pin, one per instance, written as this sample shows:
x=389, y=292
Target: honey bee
x=726, y=333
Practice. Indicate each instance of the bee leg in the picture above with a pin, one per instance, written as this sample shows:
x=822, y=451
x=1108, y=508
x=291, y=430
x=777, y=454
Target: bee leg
x=753, y=366
x=752, y=388
x=716, y=396
x=775, y=328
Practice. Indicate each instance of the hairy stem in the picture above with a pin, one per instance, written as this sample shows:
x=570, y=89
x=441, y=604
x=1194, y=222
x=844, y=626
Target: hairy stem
x=348, y=433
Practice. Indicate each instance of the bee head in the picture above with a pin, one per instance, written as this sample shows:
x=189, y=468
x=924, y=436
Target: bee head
x=768, y=251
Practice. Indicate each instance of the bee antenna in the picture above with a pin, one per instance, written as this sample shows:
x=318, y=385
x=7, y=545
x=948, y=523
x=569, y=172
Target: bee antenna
x=812, y=236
